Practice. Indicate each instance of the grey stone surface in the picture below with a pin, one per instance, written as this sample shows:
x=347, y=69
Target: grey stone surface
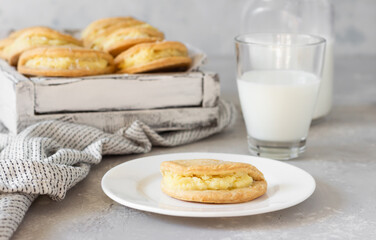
x=340, y=156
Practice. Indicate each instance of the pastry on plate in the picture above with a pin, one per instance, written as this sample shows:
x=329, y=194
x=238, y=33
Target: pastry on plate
x=37, y=37
x=124, y=38
x=151, y=57
x=97, y=31
x=212, y=181
x=65, y=62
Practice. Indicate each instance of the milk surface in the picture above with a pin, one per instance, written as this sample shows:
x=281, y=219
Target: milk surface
x=278, y=105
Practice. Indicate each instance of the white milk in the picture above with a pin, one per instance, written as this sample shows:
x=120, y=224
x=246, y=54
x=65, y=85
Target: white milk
x=278, y=105
x=324, y=100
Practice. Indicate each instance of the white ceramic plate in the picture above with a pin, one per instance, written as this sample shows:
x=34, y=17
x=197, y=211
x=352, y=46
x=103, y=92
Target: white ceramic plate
x=136, y=184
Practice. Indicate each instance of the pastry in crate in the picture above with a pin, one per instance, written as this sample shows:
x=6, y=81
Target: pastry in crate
x=12, y=36
x=124, y=38
x=151, y=57
x=94, y=34
x=65, y=62
x=3, y=44
x=36, y=37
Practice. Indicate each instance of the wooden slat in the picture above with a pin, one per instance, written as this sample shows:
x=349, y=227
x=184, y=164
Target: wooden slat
x=114, y=93
x=211, y=89
x=158, y=119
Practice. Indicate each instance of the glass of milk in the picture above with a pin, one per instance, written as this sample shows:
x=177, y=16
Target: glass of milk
x=297, y=16
x=278, y=78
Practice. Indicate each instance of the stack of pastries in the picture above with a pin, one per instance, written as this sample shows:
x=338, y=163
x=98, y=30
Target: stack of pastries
x=110, y=45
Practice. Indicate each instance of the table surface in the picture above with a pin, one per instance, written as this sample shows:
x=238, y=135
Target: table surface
x=340, y=155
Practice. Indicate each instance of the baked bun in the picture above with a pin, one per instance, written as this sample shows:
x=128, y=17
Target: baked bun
x=3, y=44
x=94, y=34
x=12, y=36
x=37, y=37
x=15, y=34
x=124, y=38
x=65, y=62
x=212, y=181
x=158, y=56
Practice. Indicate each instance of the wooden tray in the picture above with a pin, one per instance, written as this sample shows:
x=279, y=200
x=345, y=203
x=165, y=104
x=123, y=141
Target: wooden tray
x=171, y=101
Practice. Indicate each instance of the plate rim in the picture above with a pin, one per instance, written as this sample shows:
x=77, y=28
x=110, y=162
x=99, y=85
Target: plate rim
x=178, y=213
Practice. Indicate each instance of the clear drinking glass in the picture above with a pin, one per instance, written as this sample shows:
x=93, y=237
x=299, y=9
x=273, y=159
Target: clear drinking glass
x=297, y=16
x=278, y=78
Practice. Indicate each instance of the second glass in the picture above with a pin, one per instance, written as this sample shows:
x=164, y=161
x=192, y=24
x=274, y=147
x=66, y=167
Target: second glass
x=278, y=77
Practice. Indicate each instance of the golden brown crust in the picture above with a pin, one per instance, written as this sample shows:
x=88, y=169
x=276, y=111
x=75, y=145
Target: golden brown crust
x=74, y=53
x=21, y=43
x=158, y=64
x=257, y=189
x=210, y=167
x=164, y=64
x=15, y=34
x=153, y=46
x=214, y=167
x=120, y=46
x=3, y=44
x=93, y=34
x=103, y=23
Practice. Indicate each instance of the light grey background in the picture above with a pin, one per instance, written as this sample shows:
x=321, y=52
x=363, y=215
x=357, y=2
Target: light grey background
x=208, y=24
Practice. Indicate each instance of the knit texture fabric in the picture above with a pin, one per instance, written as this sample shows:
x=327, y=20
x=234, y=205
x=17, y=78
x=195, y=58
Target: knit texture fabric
x=50, y=157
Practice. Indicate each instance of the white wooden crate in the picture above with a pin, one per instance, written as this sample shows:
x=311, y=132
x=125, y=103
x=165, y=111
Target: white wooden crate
x=164, y=101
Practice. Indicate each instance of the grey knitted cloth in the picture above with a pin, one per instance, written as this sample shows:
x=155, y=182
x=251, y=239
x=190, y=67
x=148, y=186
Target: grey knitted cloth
x=51, y=157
